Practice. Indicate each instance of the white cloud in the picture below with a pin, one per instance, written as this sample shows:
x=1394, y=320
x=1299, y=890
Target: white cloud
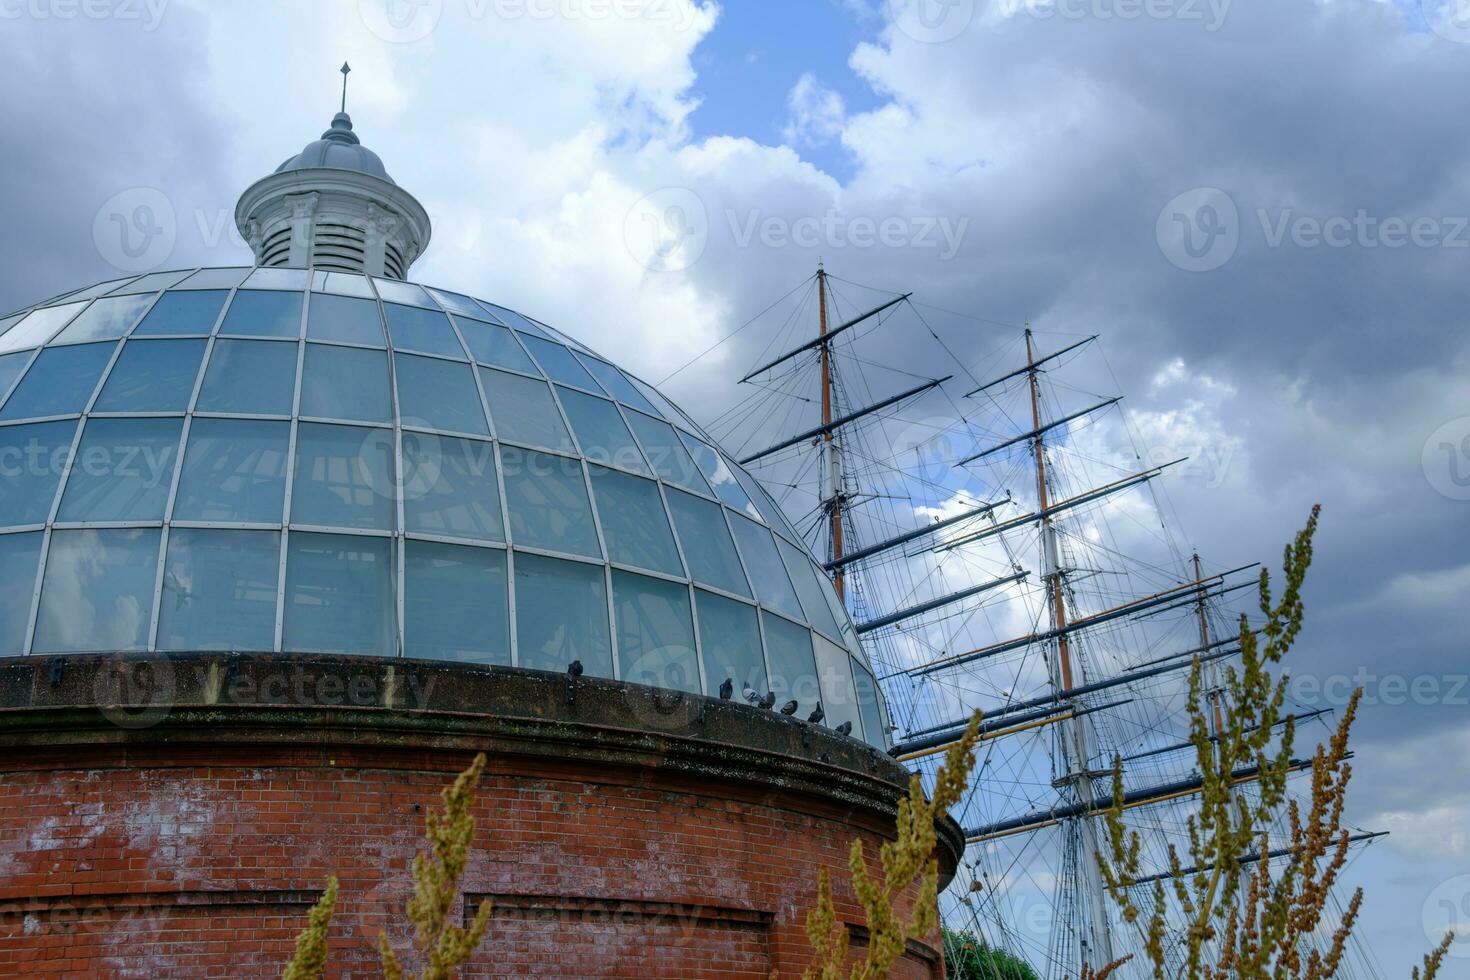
x=815, y=115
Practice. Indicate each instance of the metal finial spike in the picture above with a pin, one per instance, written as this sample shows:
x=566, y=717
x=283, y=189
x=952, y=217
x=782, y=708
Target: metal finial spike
x=345, y=69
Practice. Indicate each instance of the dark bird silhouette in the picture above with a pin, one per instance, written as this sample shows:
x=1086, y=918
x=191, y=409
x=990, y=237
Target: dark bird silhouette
x=844, y=729
x=816, y=716
x=574, y=669
x=789, y=708
x=768, y=700
x=750, y=693
x=727, y=689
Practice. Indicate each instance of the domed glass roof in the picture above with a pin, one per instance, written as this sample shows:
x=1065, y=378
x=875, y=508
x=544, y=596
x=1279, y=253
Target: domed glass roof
x=314, y=462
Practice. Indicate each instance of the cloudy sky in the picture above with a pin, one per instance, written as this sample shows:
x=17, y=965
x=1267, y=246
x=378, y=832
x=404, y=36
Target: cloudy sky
x=1261, y=204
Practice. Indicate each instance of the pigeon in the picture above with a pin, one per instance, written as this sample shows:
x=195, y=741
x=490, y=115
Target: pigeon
x=574, y=669
x=789, y=708
x=768, y=700
x=751, y=694
x=816, y=716
x=727, y=689
x=844, y=729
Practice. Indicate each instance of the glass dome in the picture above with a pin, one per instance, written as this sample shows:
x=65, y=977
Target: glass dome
x=320, y=462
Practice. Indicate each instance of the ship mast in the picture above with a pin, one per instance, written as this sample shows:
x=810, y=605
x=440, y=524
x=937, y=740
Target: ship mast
x=1204, y=640
x=833, y=503
x=1096, y=949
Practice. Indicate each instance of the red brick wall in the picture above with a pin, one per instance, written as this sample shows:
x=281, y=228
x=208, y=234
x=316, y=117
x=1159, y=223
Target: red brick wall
x=152, y=862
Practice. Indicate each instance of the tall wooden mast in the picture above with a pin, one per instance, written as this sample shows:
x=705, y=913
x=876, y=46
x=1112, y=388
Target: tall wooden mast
x=834, y=470
x=1204, y=640
x=1096, y=943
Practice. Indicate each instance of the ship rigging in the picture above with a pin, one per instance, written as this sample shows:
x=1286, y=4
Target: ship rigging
x=1004, y=549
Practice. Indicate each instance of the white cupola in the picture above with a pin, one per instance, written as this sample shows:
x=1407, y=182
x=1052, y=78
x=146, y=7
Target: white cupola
x=333, y=206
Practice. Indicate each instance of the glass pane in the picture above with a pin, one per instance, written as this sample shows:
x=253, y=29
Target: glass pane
x=839, y=698
x=561, y=615
x=731, y=640
x=152, y=282
x=449, y=487
x=867, y=698
x=190, y=312
x=547, y=501
x=513, y=319
x=707, y=544
x=234, y=472
x=251, y=377
x=98, y=590
x=344, y=477
x=345, y=383
x=523, y=411
x=395, y=291
x=344, y=283
x=344, y=318
x=20, y=554
x=438, y=394
x=720, y=476
x=259, y=313
x=767, y=573
x=454, y=602
x=37, y=327
x=11, y=365
x=423, y=330
x=490, y=343
x=633, y=521
x=559, y=364
x=98, y=289
x=32, y=459
x=601, y=431
x=219, y=590
x=655, y=632
x=59, y=383
x=615, y=384
x=339, y=595
x=122, y=470
x=494, y=344
x=793, y=668
x=215, y=279
x=277, y=279
x=152, y=376
x=667, y=454
x=456, y=303
x=809, y=586
x=770, y=510
x=105, y=319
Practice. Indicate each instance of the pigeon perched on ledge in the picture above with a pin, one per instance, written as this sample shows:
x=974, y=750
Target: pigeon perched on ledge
x=751, y=694
x=844, y=729
x=769, y=700
x=726, y=689
x=816, y=716
x=574, y=669
x=789, y=708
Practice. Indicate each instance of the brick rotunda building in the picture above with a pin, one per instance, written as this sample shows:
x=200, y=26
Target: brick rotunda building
x=284, y=546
